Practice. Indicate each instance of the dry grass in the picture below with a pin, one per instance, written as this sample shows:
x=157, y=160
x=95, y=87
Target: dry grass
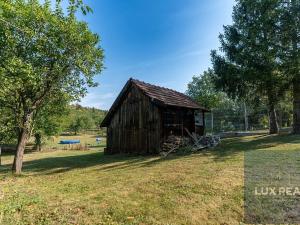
x=87, y=187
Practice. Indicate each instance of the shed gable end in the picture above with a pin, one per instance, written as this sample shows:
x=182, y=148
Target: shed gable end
x=135, y=126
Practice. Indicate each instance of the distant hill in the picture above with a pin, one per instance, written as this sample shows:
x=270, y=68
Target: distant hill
x=91, y=117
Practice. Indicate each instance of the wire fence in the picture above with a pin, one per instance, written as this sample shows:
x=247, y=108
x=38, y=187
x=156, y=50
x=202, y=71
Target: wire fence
x=218, y=121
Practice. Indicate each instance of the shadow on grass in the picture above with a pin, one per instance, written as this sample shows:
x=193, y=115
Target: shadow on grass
x=55, y=165
x=68, y=134
x=228, y=148
x=232, y=146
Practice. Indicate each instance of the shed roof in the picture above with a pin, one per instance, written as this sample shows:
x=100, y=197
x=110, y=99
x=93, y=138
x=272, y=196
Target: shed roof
x=160, y=95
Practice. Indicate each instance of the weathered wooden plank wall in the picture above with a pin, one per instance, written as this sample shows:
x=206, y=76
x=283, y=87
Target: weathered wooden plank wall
x=135, y=126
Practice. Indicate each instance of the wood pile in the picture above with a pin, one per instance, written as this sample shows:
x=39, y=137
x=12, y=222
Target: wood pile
x=173, y=143
x=202, y=142
x=196, y=142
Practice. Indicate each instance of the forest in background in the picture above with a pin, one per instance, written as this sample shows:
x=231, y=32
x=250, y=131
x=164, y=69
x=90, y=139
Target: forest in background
x=71, y=120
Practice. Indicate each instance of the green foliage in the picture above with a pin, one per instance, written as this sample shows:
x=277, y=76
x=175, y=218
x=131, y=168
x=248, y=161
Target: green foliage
x=289, y=39
x=285, y=110
x=79, y=124
x=59, y=118
x=7, y=127
x=250, y=61
x=82, y=118
x=48, y=120
x=74, y=5
x=264, y=121
x=202, y=89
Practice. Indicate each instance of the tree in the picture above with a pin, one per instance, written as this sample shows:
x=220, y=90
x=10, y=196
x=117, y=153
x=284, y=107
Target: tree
x=250, y=61
x=202, y=89
x=44, y=55
x=80, y=123
x=289, y=55
x=73, y=5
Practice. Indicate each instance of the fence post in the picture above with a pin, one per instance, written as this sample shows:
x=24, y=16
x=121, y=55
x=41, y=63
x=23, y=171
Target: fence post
x=0, y=156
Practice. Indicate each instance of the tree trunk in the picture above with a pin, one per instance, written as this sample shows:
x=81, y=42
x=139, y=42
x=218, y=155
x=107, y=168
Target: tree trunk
x=22, y=140
x=273, y=120
x=296, y=107
x=246, y=117
x=296, y=80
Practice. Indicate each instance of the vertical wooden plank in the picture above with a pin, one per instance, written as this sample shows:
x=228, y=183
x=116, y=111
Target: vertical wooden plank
x=136, y=125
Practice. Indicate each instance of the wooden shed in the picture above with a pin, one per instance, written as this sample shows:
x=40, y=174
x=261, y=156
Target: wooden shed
x=144, y=115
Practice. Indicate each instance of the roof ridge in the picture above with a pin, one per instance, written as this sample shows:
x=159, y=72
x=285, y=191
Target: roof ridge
x=182, y=94
x=159, y=86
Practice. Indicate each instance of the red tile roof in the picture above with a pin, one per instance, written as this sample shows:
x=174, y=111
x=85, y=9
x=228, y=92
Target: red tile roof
x=167, y=96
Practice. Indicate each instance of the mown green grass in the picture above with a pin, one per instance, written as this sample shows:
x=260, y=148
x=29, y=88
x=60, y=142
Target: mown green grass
x=88, y=187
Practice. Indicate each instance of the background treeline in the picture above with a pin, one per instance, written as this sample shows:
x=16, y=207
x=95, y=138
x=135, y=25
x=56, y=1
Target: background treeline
x=82, y=118
x=69, y=119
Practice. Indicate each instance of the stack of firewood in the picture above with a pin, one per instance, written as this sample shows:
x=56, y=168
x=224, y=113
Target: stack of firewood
x=173, y=143
x=194, y=141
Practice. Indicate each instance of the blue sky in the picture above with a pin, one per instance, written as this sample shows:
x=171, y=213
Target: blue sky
x=164, y=42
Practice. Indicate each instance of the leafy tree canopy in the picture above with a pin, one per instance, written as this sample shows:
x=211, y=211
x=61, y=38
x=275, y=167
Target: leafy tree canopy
x=203, y=90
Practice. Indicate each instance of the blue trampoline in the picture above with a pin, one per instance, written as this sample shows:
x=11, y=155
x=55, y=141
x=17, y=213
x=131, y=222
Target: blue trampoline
x=67, y=142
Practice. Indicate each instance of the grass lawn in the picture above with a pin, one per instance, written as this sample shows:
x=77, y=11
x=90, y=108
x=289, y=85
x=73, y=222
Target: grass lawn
x=88, y=187
x=86, y=140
